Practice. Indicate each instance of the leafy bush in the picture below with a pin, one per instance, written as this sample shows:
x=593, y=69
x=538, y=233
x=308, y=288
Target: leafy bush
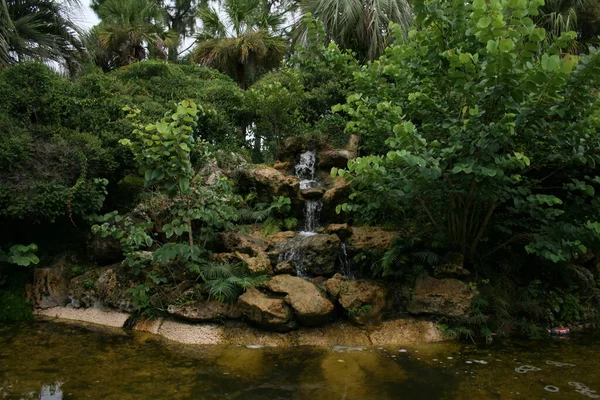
x=298, y=98
x=483, y=138
x=180, y=220
x=499, y=143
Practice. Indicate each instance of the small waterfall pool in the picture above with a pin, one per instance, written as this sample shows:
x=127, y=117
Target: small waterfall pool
x=48, y=361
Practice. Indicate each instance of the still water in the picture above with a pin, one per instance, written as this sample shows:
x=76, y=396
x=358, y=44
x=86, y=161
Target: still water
x=53, y=361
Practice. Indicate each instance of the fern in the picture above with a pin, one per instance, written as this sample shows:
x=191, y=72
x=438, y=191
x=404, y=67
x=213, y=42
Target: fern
x=290, y=223
x=226, y=282
x=270, y=227
x=427, y=257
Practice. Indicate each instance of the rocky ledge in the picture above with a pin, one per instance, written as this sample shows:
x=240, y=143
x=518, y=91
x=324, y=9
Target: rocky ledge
x=394, y=332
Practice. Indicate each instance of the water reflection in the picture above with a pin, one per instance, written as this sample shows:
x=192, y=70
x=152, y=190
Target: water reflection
x=52, y=361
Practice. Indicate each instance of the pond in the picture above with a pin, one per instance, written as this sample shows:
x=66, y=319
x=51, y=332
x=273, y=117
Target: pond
x=56, y=361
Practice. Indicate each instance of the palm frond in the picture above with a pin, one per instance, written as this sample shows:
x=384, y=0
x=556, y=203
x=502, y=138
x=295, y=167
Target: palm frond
x=362, y=26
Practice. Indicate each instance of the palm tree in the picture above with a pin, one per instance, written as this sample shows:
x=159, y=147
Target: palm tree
x=245, y=44
x=581, y=16
x=39, y=30
x=359, y=25
x=181, y=17
x=132, y=30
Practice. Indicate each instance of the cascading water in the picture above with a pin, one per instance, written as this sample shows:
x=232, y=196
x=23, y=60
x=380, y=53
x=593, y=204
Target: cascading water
x=345, y=262
x=305, y=171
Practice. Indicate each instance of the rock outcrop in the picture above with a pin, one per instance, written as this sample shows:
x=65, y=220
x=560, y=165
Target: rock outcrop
x=244, y=243
x=50, y=287
x=105, y=250
x=205, y=311
x=269, y=182
x=444, y=297
x=107, y=286
x=364, y=301
x=371, y=237
x=312, y=307
x=339, y=157
x=315, y=254
x=260, y=264
x=312, y=192
x=337, y=193
x=269, y=313
x=284, y=267
x=343, y=231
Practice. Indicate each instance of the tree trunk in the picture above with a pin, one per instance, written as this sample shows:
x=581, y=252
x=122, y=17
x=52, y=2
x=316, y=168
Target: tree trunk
x=241, y=76
x=257, y=155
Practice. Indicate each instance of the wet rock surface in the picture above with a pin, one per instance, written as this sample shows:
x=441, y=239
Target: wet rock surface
x=314, y=254
x=312, y=192
x=285, y=267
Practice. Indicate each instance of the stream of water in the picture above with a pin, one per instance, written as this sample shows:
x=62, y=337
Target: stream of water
x=42, y=360
x=305, y=172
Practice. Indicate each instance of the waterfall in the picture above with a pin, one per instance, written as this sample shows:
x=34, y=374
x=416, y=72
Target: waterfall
x=305, y=169
x=345, y=262
x=305, y=172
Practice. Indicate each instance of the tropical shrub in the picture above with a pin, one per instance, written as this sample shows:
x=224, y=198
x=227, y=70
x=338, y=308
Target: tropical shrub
x=484, y=141
x=59, y=141
x=180, y=220
x=494, y=137
x=297, y=99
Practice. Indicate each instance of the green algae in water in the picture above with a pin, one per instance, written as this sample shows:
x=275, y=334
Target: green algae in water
x=55, y=361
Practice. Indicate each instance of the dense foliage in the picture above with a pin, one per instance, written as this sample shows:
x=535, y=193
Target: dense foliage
x=479, y=137
x=59, y=138
x=190, y=208
x=494, y=151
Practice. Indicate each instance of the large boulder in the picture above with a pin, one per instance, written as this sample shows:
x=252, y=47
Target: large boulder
x=343, y=231
x=311, y=305
x=371, y=237
x=108, y=286
x=205, y=311
x=50, y=287
x=339, y=157
x=269, y=182
x=364, y=301
x=314, y=254
x=268, y=313
x=260, y=264
x=337, y=192
x=444, y=297
x=335, y=158
x=284, y=267
x=353, y=142
x=312, y=192
x=234, y=241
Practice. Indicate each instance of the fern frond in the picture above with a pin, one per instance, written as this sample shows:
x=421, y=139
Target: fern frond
x=270, y=227
x=427, y=257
